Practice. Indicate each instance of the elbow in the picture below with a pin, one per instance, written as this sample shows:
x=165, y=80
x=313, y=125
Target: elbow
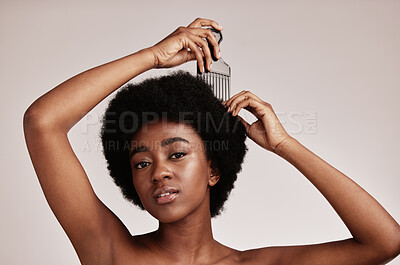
x=31, y=119
x=386, y=248
x=28, y=119
x=391, y=248
x=35, y=120
x=394, y=251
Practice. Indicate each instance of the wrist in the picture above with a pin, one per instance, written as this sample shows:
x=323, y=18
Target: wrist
x=151, y=58
x=281, y=148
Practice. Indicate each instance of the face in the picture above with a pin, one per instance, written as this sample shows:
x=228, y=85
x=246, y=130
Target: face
x=170, y=171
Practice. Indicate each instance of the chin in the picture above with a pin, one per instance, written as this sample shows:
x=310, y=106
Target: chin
x=177, y=211
x=167, y=215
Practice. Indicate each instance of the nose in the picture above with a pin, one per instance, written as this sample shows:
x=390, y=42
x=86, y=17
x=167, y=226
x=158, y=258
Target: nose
x=161, y=172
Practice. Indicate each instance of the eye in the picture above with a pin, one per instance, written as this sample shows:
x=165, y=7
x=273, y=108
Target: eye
x=178, y=155
x=141, y=165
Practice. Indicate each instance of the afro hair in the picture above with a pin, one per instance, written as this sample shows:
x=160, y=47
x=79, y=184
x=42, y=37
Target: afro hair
x=177, y=97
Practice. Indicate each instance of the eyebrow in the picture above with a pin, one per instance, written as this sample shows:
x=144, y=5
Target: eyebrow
x=164, y=142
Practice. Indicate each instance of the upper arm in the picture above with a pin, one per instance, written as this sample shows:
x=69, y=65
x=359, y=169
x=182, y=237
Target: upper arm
x=89, y=224
x=343, y=252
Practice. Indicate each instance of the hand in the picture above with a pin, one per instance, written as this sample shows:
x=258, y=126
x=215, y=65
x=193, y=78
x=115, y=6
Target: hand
x=186, y=44
x=267, y=131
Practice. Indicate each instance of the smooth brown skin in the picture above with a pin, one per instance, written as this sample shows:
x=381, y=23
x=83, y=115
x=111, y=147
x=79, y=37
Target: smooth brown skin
x=180, y=164
x=184, y=235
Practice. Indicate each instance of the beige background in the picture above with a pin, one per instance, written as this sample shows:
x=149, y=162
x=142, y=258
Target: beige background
x=338, y=60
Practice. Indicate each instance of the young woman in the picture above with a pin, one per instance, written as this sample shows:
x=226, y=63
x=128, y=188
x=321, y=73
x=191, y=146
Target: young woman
x=172, y=170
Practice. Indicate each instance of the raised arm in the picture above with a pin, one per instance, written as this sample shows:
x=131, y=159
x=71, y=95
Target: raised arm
x=93, y=229
x=376, y=235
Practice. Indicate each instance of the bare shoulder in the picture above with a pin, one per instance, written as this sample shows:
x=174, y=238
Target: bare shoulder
x=265, y=256
x=346, y=251
x=140, y=250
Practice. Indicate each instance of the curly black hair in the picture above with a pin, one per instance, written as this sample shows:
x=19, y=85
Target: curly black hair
x=177, y=97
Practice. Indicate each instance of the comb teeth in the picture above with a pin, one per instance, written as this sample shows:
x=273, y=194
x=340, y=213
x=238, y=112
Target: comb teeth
x=219, y=78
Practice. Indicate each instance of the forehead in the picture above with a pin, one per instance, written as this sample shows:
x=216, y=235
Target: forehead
x=155, y=134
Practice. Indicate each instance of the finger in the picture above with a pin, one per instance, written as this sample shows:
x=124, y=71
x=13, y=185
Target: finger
x=241, y=96
x=254, y=96
x=229, y=101
x=249, y=108
x=251, y=95
x=202, y=22
x=214, y=43
x=256, y=108
x=198, y=54
x=204, y=47
x=246, y=103
x=206, y=33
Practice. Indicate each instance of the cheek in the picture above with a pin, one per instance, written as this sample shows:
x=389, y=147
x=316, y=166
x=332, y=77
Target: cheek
x=140, y=186
x=193, y=176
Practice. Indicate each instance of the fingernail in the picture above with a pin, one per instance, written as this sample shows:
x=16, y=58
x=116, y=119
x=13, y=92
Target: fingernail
x=219, y=55
x=203, y=70
x=210, y=66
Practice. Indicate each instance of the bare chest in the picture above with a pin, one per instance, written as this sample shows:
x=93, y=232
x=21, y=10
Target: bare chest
x=149, y=257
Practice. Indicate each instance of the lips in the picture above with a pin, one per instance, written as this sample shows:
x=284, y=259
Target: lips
x=161, y=192
x=166, y=198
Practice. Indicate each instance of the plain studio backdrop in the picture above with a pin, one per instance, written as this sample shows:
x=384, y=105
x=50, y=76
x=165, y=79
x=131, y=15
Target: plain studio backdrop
x=330, y=69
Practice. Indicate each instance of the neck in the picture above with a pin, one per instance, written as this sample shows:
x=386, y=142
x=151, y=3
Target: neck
x=190, y=239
